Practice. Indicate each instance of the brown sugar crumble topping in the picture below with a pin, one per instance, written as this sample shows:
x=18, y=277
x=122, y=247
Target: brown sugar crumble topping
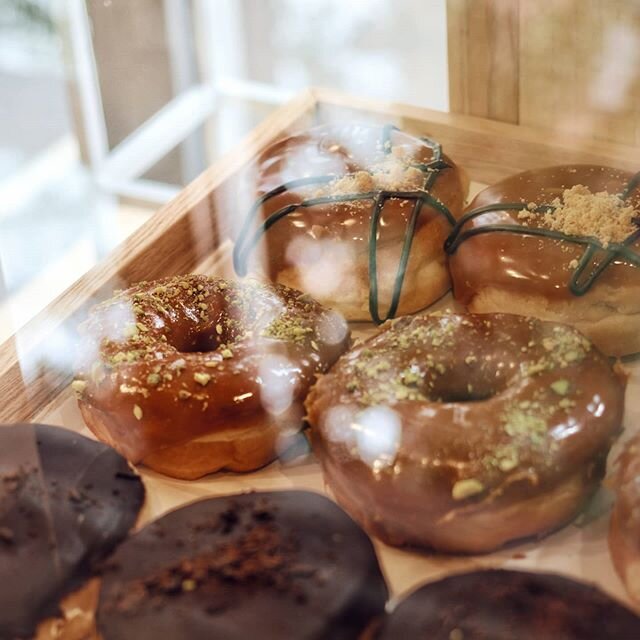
x=393, y=173
x=580, y=212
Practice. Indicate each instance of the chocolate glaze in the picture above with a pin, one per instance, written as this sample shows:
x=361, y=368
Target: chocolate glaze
x=65, y=502
x=527, y=264
x=270, y=565
x=505, y=605
x=340, y=150
x=168, y=361
x=624, y=531
x=440, y=417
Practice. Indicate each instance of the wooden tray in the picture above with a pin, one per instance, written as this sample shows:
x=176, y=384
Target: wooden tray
x=191, y=234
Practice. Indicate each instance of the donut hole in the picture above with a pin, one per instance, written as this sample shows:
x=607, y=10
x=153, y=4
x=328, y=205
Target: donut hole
x=470, y=389
x=460, y=395
x=200, y=341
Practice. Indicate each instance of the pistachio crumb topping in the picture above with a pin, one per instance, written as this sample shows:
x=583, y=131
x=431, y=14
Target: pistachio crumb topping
x=137, y=412
x=153, y=379
x=78, y=386
x=226, y=353
x=130, y=331
x=507, y=464
x=526, y=424
x=287, y=327
x=189, y=585
x=202, y=378
x=463, y=489
x=561, y=387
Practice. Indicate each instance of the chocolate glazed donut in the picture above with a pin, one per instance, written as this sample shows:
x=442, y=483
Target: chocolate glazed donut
x=65, y=503
x=465, y=432
x=277, y=565
x=356, y=216
x=624, y=531
x=193, y=374
x=509, y=605
x=505, y=256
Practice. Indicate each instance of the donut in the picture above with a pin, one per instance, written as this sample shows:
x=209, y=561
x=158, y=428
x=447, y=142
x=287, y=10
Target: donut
x=65, y=503
x=194, y=374
x=462, y=433
x=275, y=565
x=560, y=244
x=504, y=605
x=624, y=529
x=355, y=215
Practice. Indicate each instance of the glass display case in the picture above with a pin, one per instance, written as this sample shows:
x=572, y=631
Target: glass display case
x=384, y=252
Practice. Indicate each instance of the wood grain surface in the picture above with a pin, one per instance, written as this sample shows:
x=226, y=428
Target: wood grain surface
x=569, y=67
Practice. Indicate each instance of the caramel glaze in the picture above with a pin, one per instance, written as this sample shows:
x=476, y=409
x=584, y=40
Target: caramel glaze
x=168, y=361
x=527, y=264
x=624, y=535
x=340, y=151
x=440, y=418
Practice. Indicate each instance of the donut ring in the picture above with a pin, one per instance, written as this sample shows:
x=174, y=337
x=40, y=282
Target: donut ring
x=503, y=605
x=465, y=432
x=356, y=216
x=624, y=530
x=66, y=503
x=194, y=374
x=504, y=256
x=274, y=566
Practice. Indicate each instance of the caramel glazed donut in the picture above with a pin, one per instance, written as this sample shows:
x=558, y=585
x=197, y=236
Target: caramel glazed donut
x=356, y=216
x=465, y=432
x=559, y=244
x=624, y=531
x=194, y=374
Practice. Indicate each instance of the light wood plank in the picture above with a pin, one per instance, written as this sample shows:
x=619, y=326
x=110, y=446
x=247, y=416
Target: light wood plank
x=483, y=46
x=580, y=68
x=569, y=67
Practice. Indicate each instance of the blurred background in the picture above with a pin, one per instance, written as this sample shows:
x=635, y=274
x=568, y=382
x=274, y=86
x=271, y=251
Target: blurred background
x=79, y=78
x=109, y=107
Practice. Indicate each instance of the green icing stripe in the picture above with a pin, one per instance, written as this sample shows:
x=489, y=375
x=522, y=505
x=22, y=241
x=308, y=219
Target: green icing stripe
x=578, y=283
x=248, y=239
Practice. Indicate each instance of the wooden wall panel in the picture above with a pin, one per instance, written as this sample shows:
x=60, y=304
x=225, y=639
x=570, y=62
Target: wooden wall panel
x=565, y=66
x=483, y=58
